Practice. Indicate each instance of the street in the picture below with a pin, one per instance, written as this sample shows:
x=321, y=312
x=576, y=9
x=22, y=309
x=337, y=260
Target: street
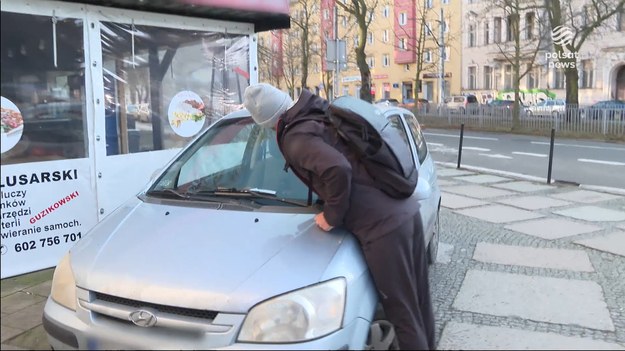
x=577, y=161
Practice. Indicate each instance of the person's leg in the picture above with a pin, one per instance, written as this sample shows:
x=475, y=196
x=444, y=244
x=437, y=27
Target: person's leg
x=423, y=283
x=394, y=268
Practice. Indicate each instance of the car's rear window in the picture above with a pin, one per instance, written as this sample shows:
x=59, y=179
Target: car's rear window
x=458, y=99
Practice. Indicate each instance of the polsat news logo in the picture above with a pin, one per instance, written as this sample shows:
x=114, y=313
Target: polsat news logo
x=562, y=36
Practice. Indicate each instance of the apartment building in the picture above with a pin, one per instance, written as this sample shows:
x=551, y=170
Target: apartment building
x=394, y=44
x=487, y=46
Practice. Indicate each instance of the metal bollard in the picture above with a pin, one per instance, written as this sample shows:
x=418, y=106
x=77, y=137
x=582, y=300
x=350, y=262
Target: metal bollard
x=553, y=133
x=460, y=147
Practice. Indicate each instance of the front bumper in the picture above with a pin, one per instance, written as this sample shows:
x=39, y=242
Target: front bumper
x=81, y=330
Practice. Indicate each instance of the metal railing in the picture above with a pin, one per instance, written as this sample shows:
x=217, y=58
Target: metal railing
x=572, y=119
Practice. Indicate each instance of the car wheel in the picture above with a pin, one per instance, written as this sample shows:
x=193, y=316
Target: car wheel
x=433, y=244
x=381, y=336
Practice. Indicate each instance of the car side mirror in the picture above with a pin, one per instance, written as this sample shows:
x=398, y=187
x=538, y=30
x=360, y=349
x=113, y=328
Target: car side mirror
x=423, y=190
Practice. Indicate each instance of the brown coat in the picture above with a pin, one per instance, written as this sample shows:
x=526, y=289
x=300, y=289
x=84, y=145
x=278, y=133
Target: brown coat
x=318, y=157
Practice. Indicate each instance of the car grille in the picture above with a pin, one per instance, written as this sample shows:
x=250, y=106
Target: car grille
x=184, y=312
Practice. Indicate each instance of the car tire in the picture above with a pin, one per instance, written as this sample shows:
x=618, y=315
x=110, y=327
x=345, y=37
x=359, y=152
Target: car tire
x=432, y=250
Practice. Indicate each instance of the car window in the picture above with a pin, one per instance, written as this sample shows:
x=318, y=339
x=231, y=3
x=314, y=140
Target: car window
x=471, y=99
x=235, y=153
x=395, y=122
x=458, y=99
x=417, y=135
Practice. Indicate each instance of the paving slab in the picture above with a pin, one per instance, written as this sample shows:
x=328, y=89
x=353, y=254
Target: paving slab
x=33, y=339
x=26, y=318
x=534, y=202
x=19, y=301
x=15, y=284
x=9, y=332
x=552, y=228
x=482, y=178
x=523, y=186
x=593, y=214
x=612, y=243
x=585, y=196
x=445, y=182
x=499, y=213
x=451, y=172
x=478, y=191
x=454, y=201
x=42, y=289
x=622, y=226
x=465, y=336
x=573, y=260
x=544, y=299
x=443, y=255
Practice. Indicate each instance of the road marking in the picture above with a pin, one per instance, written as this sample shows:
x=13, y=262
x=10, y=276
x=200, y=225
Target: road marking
x=475, y=148
x=528, y=154
x=611, y=163
x=436, y=144
x=582, y=146
x=496, y=156
x=464, y=136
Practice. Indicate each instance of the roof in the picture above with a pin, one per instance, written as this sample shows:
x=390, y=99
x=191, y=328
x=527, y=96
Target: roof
x=265, y=15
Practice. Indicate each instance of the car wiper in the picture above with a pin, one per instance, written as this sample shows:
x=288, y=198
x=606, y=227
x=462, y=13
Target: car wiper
x=248, y=192
x=169, y=192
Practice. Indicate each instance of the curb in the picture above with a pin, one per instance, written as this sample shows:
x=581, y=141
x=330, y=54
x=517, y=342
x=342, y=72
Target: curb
x=604, y=189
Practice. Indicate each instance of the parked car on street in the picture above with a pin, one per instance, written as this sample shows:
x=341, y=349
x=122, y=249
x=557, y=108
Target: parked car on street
x=504, y=108
x=611, y=109
x=462, y=104
x=422, y=105
x=548, y=108
x=391, y=102
x=221, y=251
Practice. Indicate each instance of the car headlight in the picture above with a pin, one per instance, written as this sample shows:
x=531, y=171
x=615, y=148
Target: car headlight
x=304, y=314
x=64, y=285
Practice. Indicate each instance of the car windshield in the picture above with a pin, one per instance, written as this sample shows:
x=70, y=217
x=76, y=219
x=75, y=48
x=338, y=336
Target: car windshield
x=234, y=157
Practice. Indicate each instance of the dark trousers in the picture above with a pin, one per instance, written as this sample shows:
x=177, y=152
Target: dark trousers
x=398, y=263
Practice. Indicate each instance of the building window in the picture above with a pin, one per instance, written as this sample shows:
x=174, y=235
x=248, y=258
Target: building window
x=513, y=27
x=428, y=4
x=586, y=75
x=445, y=2
x=486, y=32
x=558, y=79
x=445, y=27
x=386, y=11
x=471, y=78
x=488, y=77
x=428, y=29
x=326, y=14
x=530, y=24
x=471, y=35
x=386, y=60
x=385, y=36
x=427, y=56
x=370, y=38
x=371, y=61
x=403, y=18
x=344, y=21
x=356, y=40
x=403, y=44
x=497, y=30
x=447, y=53
x=406, y=68
x=532, y=77
x=507, y=77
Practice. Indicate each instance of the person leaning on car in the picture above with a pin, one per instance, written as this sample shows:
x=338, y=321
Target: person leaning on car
x=388, y=229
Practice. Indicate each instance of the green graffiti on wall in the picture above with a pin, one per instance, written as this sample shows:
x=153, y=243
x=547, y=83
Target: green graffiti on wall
x=526, y=95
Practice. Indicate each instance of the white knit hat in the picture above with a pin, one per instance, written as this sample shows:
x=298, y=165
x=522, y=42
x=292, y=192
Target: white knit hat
x=266, y=103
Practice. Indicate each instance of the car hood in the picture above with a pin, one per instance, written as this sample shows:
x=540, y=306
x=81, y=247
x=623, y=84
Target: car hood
x=201, y=258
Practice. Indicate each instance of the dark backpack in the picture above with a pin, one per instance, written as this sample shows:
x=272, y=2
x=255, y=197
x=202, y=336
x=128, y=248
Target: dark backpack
x=377, y=144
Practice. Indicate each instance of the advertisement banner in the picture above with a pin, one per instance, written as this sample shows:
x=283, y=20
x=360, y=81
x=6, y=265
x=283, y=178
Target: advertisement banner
x=46, y=208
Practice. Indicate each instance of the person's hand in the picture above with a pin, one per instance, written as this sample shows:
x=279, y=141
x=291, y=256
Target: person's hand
x=320, y=219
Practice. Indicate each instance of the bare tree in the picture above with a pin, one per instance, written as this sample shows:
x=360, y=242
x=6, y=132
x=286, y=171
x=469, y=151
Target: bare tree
x=362, y=12
x=582, y=21
x=306, y=13
x=270, y=61
x=520, y=44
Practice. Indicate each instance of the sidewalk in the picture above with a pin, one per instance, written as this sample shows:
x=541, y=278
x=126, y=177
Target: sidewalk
x=521, y=264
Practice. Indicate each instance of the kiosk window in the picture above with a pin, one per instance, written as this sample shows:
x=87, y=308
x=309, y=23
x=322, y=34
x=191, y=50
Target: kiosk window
x=163, y=85
x=43, y=89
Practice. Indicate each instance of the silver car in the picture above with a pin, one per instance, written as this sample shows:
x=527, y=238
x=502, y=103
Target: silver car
x=221, y=251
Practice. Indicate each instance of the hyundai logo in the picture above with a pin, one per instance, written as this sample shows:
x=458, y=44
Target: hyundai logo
x=143, y=318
